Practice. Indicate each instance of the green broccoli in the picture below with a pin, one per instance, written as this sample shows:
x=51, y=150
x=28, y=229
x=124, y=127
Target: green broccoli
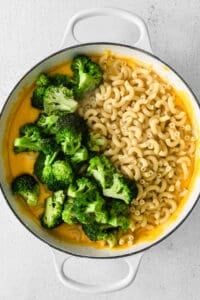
x=69, y=139
x=79, y=156
x=42, y=80
x=42, y=167
x=118, y=213
x=113, y=184
x=45, y=159
x=38, y=94
x=29, y=138
x=98, y=232
x=102, y=170
x=122, y=188
x=83, y=185
x=88, y=203
x=47, y=123
x=70, y=132
x=37, y=97
x=67, y=214
x=61, y=79
x=74, y=120
x=90, y=207
x=49, y=147
x=27, y=187
x=62, y=175
x=59, y=98
x=97, y=209
x=52, y=215
x=87, y=75
x=56, y=174
x=96, y=142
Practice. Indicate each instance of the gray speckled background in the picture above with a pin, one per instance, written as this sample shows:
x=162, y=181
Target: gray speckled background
x=30, y=30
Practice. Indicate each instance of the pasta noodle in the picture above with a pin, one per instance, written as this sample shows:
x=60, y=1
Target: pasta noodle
x=149, y=138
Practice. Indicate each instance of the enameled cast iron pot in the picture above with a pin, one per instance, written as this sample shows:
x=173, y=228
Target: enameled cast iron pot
x=142, y=51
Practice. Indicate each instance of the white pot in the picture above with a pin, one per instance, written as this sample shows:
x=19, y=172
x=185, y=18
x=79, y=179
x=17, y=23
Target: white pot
x=142, y=51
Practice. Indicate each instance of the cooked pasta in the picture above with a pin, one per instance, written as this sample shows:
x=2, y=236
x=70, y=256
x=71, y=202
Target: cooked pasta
x=149, y=138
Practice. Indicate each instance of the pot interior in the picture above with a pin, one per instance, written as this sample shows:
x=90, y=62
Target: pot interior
x=167, y=74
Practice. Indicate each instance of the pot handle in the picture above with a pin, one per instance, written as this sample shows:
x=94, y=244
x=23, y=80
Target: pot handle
x=69, y=37
x=133, y=262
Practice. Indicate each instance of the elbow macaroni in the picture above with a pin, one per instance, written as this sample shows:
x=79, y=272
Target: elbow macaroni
x=149, y=138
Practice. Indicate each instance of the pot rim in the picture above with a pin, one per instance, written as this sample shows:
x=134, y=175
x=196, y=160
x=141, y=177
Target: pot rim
x=10, y=95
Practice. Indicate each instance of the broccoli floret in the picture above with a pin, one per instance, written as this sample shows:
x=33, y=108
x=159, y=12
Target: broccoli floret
x=42, y=167
x=98, y=232
x=97, y=208
x=88, y=203
x=52, y=215
x=37, y=99
x=90, y=207
x=101, y=168
x=49, y=147
x=122, y=188
x=59, y=98
x=42, y=80
x=56, y=174
x=29, y=138
x=87, y=75
x=70, y=132
x=67, y=214
x=74, y=120
x=62, y=175
x=57, y=80
x=96, y=142
x=118, y=214
x=83, y=185
x=27, y=187
x=113, y=184
x=50, y=124
x=61, y=79
x=79, y=156
x=47, y=123
x=70, y=140
x=44, y=161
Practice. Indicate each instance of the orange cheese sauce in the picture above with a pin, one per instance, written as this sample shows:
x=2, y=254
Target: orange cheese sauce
x=16, y=164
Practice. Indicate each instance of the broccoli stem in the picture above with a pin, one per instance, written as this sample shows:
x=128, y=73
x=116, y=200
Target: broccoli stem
x=52, y=215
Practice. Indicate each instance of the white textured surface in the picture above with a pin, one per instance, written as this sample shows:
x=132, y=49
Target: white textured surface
x=30, y=30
